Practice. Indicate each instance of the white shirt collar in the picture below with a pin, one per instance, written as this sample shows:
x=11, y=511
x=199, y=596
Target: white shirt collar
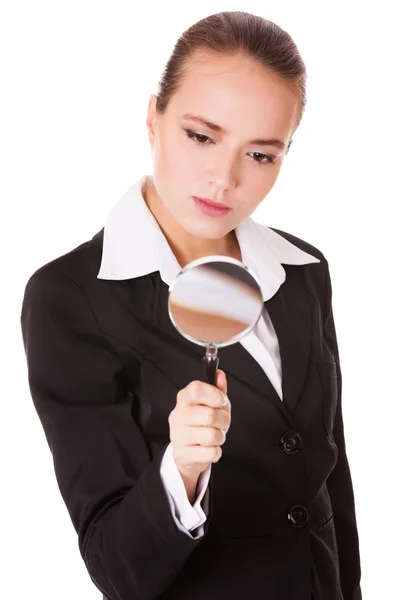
x=134, y=245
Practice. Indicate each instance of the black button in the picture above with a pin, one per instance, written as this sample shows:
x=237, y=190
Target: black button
x=291, y=442
x=298, y=515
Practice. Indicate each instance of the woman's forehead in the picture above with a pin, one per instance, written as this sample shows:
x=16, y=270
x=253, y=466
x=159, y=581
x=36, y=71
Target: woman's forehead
x=227, y=88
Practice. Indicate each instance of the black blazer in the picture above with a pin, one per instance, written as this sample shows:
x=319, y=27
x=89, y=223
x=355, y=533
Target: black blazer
x=105, y=364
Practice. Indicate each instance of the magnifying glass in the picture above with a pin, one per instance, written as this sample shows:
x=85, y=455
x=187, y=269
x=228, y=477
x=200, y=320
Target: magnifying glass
x=215, y=301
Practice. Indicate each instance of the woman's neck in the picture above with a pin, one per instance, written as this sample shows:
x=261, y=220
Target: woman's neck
x=184, y=245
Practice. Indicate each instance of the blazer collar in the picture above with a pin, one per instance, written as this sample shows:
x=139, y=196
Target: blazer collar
x=134, y=245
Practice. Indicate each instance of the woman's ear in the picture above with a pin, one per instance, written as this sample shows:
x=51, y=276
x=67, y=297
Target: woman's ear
x=151, y=118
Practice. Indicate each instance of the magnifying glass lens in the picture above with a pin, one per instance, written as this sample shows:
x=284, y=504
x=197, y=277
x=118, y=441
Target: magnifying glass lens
x=214, y=302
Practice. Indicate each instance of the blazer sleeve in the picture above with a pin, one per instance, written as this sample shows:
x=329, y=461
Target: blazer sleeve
x=112, y=489
x=339, y=482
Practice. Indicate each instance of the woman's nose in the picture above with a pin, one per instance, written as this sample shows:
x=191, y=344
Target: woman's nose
x=223, y=171
x=223, y=176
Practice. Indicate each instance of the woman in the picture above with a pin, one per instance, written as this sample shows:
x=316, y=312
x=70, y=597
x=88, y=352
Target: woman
x=178, y=489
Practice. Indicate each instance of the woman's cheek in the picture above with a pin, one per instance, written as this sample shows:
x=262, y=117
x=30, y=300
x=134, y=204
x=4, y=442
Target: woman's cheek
x=183, y=164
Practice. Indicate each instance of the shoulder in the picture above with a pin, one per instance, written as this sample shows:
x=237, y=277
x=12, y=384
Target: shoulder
x=79, y=263
x=76, y=268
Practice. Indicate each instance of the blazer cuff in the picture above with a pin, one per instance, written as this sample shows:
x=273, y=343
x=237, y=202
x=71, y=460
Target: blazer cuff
x=187, y=517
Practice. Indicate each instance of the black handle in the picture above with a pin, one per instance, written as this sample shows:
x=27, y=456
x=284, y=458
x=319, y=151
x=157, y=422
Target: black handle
x=210, y=370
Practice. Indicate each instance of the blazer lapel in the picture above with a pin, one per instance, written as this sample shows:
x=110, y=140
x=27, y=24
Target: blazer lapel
x=290, y=310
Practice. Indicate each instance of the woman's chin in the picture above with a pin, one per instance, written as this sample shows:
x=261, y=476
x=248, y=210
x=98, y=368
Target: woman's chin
x=206, y=230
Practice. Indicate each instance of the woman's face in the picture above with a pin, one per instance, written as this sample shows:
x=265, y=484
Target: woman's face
x=226, y=165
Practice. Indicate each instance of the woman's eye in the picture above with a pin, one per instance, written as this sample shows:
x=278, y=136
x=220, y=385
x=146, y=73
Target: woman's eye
x=199, y=138
x=265, y=158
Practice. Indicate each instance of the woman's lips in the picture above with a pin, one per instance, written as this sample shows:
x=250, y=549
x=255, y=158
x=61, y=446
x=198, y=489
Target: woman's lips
x=213, y=209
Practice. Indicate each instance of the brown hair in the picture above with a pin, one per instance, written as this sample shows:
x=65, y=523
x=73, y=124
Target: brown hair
x=231, y=33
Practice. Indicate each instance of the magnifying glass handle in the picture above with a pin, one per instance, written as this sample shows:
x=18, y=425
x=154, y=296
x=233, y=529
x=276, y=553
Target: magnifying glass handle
x=210, y=371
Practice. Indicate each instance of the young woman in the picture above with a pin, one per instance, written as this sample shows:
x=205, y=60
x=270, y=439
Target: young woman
x=180, y=490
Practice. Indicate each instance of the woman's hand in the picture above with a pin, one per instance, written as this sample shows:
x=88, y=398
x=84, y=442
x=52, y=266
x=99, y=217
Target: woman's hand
x=198, y=427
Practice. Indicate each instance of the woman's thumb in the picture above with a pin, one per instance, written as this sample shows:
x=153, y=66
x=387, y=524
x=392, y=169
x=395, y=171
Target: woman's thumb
x=221, y=381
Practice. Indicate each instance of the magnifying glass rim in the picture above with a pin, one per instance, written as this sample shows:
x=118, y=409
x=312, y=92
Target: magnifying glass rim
x=204, y=260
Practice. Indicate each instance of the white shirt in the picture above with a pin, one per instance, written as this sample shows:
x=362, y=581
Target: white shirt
x=134, y=245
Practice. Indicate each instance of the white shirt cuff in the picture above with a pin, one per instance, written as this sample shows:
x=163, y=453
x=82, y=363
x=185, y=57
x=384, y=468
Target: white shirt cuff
x=186, y=516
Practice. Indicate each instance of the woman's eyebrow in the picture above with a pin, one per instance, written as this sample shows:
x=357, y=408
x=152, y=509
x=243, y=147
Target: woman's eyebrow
x=202, y=121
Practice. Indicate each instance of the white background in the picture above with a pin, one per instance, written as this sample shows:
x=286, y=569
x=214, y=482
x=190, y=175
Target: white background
x=75, y=81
